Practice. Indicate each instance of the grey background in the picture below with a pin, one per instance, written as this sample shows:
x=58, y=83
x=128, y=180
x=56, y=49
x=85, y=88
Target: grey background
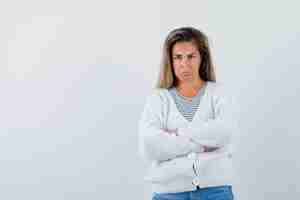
x=74, y=77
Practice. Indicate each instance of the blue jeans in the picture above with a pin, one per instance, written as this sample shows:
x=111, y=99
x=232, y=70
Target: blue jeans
x=208, y=193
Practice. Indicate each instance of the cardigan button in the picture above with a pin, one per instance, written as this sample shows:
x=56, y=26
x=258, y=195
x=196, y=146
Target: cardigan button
x=196, y=181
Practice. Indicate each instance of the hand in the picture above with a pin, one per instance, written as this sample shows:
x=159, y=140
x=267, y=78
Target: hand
x=171, y=131
x=210, y=148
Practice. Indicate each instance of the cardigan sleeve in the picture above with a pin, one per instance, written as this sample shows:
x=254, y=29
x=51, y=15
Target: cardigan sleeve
x=220, y=130
x=154, y=143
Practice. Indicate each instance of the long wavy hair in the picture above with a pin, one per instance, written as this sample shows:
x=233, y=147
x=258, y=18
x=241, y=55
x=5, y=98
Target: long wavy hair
x=167, y=76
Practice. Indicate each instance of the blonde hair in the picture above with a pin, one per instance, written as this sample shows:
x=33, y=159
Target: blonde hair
x=167, y=76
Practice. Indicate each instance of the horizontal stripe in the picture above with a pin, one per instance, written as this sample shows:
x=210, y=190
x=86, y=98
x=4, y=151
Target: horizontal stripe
x=186, y=107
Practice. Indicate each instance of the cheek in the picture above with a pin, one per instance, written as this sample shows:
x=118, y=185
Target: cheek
x=176, y=68
x=177, y=72
x=198, y=61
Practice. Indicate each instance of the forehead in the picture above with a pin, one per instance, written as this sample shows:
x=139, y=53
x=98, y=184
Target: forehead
x=184, y=47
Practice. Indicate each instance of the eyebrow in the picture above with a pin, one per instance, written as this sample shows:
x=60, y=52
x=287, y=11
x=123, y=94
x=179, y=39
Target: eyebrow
x=179, y=54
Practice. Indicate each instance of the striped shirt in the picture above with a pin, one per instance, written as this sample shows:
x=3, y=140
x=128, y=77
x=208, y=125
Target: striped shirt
x=187, y=106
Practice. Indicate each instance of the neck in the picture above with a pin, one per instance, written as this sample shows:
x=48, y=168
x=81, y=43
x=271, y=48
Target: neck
x=190, y=89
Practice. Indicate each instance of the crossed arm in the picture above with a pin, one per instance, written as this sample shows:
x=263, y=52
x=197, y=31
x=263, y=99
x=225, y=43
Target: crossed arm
x=202, y=148
x=163, y=144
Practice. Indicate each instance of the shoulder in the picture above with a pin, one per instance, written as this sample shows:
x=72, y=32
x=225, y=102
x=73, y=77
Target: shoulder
x=157, y=92
x=225, y=98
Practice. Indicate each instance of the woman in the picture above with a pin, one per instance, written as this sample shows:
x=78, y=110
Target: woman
x=187, y=126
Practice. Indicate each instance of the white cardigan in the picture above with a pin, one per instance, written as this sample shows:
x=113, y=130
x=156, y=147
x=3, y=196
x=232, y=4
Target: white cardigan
x=170, y=159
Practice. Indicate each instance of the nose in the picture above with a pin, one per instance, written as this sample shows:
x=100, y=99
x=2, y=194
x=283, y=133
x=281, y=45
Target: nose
x=184, y=61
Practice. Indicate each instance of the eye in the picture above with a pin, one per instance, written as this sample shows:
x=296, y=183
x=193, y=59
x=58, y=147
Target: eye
x=177, y=57
x=191, y=56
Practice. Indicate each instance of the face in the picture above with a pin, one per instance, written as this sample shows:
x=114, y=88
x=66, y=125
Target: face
x=186, y=62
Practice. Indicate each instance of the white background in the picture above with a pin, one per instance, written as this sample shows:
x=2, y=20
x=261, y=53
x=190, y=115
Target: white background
x=74, y=77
